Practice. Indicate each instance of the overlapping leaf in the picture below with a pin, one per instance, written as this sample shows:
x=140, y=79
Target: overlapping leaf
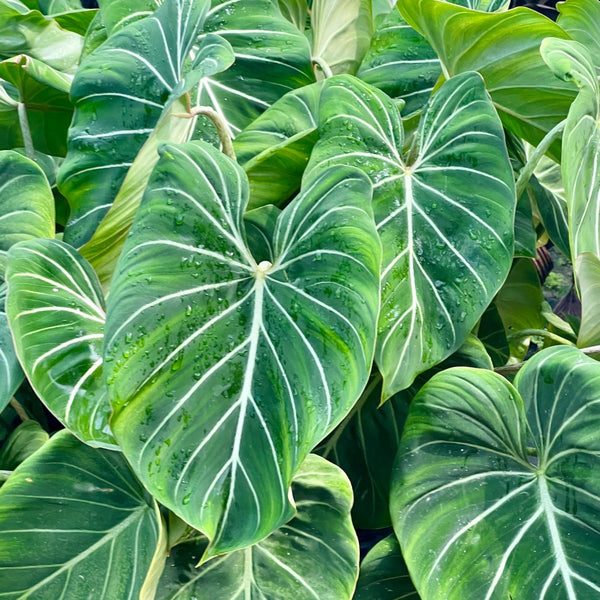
x=581, y=142
x=11, y=374
x=529, y=98
x=75, y=523
x=274, y=149
x=224, y=373
x=581, y=20
x=445, y=218
x=495, y=499
x=314, y=556
x=56, y=312
x=587, y=269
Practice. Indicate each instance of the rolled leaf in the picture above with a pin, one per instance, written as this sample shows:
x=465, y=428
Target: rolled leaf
x=56, y=312
x=75, y=523
x=529, y=98
x=314, y=556
x=443, y=260
x=581, y=143
x=223, y=373
x=495, y=493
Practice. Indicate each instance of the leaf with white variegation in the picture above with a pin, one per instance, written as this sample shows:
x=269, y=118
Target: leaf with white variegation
x=117, y=109
x=529, y=98
x=224, y=374
x=314, y=556
x=445, y=217
x=581, y=143
x=279, y=141
x=401, y=62
x=11, y=374
x=26, y=203
x=581, y=20
x=75, y=523
x=56, y=313
x=496, y=491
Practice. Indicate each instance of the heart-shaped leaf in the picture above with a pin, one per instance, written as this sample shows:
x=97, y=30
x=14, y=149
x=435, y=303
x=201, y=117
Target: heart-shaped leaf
x=314, y=556
x=75, y=523
x=223, y=373
x=443, y=260
x=581, y=143
x=495, y=493
x=383, y=574
x=529, y=99
x=56, y=312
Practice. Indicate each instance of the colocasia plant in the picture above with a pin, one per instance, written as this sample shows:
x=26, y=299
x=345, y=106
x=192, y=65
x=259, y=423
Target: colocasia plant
x=272, y=319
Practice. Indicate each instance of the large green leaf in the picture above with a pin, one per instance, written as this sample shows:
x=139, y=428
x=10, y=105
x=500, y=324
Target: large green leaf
x=529, y=98
x=587, y=269
x=223, y=373
x=117, y=109
x=314, y=556
x=56, y=312
x=581, y=143
x=24, y=31
x=496, y=492
x=341, y=32
x=401, y=62
x=274, y=149
x=581, y=20
x=75, y=523
x=445, y=216
x=383, y=574
x=11, y=374
x=26, y=203
x=44, y=93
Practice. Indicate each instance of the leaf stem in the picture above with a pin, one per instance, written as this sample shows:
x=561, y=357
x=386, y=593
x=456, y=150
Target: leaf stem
x=323, y=66
x=19, y=409
x=541, y=149
x=514, y=368
x=25, y=130
x=541, y=333
x=220, y=125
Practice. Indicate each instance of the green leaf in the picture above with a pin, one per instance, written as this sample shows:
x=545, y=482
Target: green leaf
x=26, y=439
x=279, y=141
x=77, y=21
x=401, y=62
x=295, y=11
x=581, y=143
x=118, y=108
x=581, y=20
x=75, y=523
x=519, y=304
x=364, y=446
x=314, y=556
x=29, y=32
x=443, y=261
x=529, y=99
x=44, y=92
x=117, y=14
x=525, y=234
x=342, y=32
x=495, y=494
x=11, y=374
x=56, y=312
x=383, y=574
x=27, y=206
x=587, y=270
x=260, y=225
x=492, y=334
x=223, y=373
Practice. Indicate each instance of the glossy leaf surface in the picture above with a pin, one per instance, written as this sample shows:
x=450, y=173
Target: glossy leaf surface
x=581, y=143
x=581, y=20
x=22, y=443
x=443, y=261
x=233, y=371
x=75, y=523
x=383, y=574
x=56, y=312
x=314, y=556
x=529, y=98
x=10, y=370
x=495, y=493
